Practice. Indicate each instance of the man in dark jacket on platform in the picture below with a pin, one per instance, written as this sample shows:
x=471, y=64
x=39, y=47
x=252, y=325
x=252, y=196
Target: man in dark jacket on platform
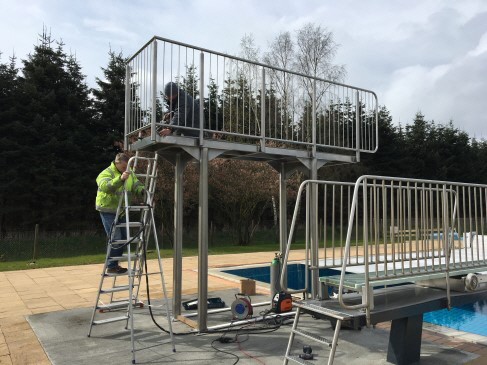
x=183, y=111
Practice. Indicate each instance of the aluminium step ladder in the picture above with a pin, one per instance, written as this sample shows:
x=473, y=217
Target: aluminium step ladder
x=312, y=306
x=137, y=222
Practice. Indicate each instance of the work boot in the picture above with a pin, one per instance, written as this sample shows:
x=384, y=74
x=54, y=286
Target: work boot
x=116, y=270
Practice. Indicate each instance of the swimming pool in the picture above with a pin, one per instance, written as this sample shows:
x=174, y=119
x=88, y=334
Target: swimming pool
x=295, y=274
x=470, y=318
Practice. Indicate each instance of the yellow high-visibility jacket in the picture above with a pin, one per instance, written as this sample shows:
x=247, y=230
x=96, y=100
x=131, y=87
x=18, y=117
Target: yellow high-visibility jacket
x=110, y=188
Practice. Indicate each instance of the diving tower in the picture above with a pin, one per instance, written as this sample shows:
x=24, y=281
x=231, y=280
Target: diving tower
x=252, y=111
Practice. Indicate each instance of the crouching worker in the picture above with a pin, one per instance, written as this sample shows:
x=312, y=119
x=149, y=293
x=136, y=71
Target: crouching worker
x=110, y=187
x=184, y=111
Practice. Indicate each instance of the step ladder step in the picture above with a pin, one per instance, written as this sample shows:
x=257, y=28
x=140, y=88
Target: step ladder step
x=297, y=359
x=314, y=306
x=124, y=257
x=114, y=305
x=146, y=176
x=137, y=208
x=131, y=225
x=135, y=273
x=131, y=239
x=116, y=289
x=115, y=274
x=312, y=336
x=110, y=320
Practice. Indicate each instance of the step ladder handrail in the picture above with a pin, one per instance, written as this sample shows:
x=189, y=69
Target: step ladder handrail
x=292, y=231
x=282, y=280
x=150, y=174
x=360, y=183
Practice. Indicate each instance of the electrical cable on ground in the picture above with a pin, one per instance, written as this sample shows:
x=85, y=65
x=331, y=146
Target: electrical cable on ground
x=270, y=324
x=225, y=352
x=148, y=292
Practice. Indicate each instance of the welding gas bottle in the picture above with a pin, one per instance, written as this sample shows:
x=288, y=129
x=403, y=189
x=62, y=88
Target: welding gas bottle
x=275, y=274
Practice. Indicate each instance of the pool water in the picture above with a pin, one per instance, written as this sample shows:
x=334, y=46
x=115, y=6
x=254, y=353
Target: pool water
x=468, y=318
x=295, y=274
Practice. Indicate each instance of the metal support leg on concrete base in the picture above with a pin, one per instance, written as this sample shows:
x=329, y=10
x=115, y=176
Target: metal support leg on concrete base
x=405, y=340
x=313, y=206
x=180, y=164
x=283, y=176
x=203, y=243
x=282, y=208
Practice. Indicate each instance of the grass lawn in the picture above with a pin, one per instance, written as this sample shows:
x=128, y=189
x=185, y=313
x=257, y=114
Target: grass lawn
x=82, y=250
x=17, y=254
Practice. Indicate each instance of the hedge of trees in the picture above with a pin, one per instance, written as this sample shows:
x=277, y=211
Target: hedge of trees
x=57, y=134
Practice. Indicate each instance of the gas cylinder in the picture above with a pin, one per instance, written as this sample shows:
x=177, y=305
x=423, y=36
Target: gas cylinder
x=275, y=275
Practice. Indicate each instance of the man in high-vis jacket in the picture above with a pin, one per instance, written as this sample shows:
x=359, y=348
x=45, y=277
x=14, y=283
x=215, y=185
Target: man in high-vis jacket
x=111, y=182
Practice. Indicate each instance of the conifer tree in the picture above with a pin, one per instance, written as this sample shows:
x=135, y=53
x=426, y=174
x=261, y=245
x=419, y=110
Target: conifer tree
x=109, y=101
x=54, y=120
x=10, y=143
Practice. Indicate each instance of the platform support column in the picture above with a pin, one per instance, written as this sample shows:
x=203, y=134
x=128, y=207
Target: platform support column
x=178, y=234
x=313, y=231
x=282, y=208
x=405, y=340
x=203, y=242
x=283, y=176
x=315, y=285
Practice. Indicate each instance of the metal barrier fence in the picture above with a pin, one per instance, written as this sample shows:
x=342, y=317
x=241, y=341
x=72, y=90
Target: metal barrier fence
x=395, y=227
x=247, y=101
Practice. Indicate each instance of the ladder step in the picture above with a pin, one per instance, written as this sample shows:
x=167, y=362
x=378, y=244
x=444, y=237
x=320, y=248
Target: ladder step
x=131, y=225
x=124, y=257
x=131, y=239
x=312, y=336
x=115, y=305
x=297, y=359
x=116, y=289
x=146, y=176
x=126, y=273
x=110, y=320
x=137, y=208
x=314, y=306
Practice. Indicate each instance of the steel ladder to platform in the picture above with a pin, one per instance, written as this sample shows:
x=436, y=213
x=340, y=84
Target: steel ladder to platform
x=309, y=307
x=139, y=227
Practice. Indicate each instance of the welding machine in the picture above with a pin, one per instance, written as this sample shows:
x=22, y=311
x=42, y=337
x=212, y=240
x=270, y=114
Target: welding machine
x=282, y=302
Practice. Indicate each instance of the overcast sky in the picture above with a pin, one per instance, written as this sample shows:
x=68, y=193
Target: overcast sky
x=417, y=55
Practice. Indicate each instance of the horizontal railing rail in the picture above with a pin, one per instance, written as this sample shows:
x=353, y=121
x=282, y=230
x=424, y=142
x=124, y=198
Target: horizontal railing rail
x=243, y=101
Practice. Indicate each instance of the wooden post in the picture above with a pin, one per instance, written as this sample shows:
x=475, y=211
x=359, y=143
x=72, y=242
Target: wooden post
x=36, y=237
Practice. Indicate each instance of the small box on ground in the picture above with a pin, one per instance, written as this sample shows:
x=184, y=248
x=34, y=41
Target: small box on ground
x=247, y=286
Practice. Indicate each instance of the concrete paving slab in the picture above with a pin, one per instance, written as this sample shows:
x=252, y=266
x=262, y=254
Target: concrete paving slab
x=63, y=335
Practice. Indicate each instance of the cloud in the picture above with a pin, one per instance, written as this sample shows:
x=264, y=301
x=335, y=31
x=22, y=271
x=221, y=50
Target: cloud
x=109, y=29
x=454, y=91
x=415, y=54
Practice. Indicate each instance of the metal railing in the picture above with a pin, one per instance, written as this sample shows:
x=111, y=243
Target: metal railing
x=246, y=101
x=394, y=227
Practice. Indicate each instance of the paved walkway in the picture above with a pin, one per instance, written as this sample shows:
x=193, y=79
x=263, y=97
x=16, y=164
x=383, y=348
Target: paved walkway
x=27, y=292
